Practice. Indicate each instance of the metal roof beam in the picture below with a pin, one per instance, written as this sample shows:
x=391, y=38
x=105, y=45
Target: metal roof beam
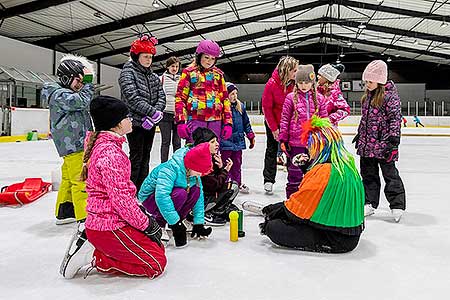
x=223, y=26
x=124, y=23
x=30, y=7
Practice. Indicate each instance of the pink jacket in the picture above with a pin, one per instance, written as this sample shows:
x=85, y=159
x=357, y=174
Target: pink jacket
x=111, y=202
x=273, y=98
x=338, y=109
x=291, y=128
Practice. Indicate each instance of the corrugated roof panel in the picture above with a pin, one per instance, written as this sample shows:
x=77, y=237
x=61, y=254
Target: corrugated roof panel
x=305, y=15
x=422, y=6
x=394, y=21
x=434, y=27
x=67, y=17
x=18, y=27
x=11, y=3
x=115, y=60
x=122, y=9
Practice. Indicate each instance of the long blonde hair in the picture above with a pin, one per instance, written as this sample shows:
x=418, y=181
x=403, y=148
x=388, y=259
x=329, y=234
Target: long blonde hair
x=377, y=96
x=313, y=89
x=285, y=65
x=87, y=155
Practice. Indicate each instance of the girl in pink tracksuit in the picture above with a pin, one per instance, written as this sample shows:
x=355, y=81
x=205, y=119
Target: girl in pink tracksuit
x=125, y=238
x=337, y=108
x=299, y=106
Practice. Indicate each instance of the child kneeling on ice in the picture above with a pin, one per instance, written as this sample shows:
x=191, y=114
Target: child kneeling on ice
x=326, y=214
x=125, y=239
x=174, y=188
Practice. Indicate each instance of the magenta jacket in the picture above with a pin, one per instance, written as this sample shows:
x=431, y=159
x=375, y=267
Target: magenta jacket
x=111, y=202
x=337, y=108
x=273, y=98
x=290, y=127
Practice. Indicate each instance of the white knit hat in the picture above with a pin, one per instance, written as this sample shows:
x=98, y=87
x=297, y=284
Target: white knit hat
x=329, y=72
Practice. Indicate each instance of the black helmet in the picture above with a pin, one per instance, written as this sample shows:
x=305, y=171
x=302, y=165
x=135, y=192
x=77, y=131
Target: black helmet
x=68, y=70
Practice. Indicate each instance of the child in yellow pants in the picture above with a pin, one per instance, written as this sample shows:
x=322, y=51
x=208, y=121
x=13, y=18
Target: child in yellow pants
x=69, y=101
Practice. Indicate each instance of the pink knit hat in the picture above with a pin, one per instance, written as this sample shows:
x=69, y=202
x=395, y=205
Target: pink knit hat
x=199, y=159
x=376, y=71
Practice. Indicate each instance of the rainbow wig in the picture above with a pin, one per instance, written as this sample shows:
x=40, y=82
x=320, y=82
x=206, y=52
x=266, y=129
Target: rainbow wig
x=325, y=144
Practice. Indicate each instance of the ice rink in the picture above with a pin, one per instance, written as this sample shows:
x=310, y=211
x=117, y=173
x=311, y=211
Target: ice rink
x=409, y=260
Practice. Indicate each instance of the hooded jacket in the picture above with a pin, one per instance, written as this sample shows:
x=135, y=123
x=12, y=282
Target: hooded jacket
x=69, y=116
x=337, y=108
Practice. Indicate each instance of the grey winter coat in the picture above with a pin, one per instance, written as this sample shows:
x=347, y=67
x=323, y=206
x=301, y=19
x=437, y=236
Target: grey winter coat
x=141, y=89
x=69, y=116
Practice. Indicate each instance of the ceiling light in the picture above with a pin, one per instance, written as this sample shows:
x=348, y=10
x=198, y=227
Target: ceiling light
x=256, y=61
x=382, y=53
x=155, y=4
x=98, y=14
x=388, y=59
x=185, y=27
x=362, y=26
x=444, y=24
x=416, y=42
x=380, y=1
x=349, y=43
x=282, y=30
x=286, y=46
x=341, y=55
x=277, y=4
x=338, y=61
x=397, y=55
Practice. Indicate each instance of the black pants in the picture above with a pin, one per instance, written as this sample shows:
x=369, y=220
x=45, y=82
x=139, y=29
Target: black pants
x=219, y=202
x=169, y=133
x=394, y=189
x=284, y=231
x=308, y=238
x=270, y=158
x=140, y=142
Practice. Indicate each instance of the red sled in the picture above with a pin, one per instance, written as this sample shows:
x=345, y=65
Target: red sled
x=24, y=192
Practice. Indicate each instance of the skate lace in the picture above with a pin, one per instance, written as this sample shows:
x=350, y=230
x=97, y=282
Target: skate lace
x=89, y=269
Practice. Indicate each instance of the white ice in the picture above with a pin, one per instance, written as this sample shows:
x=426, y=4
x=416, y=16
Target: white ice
x=408, y=260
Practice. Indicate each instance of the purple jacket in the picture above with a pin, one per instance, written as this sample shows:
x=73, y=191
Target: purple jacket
x=290, y=127
x=380, y=127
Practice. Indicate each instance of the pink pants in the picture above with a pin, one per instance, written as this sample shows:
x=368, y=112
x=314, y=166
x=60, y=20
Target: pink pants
x=128, y=251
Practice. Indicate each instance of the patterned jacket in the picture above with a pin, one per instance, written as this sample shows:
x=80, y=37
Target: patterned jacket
x=337, y=108
x=163, y=179
x=142, y=91
x=380, y=127
x=273, y=98
x=241, y=127
x=202, y=96
x=290, y=126
x=69, y=116
x=111, y=202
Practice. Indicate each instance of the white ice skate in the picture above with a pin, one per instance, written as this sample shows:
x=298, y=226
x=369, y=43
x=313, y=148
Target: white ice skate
x=78, y=255
x=253, y=207
x=368, y=210
x=397, y=214
x=268, y=187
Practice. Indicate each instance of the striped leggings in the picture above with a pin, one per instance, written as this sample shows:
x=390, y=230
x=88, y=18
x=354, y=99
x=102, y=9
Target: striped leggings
x=128, y=251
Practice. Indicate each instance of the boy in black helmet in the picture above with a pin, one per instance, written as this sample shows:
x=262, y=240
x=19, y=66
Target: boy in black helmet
x=69, y=120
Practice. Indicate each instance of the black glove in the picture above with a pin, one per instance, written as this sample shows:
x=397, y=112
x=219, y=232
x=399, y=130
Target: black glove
x=355, y=140
x=274, y=211
x=179, y=234
x=153, y=230
x=199, y=231
x=391, y=152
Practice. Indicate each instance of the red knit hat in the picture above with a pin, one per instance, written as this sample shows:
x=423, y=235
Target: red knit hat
x=199, y=159
x=144, y=44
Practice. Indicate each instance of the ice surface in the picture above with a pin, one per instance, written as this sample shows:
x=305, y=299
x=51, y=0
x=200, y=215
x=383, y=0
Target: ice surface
x=408, y=260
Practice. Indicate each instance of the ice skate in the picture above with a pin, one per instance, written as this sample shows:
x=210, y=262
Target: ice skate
x=253, y=207
x=78, y=255
x=368, y=210
x=268, y=187
x=397, y=214
x=244, y=189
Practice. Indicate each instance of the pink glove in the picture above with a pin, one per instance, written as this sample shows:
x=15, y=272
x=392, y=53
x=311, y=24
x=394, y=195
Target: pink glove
x=251, y=137
x=226, y=132
x=183, y=131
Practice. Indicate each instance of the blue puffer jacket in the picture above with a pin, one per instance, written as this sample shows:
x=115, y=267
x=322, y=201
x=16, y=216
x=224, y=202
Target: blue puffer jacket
x=163, y=179
x=241, y=126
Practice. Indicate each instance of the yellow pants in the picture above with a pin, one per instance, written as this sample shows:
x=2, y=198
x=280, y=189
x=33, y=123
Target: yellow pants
x=72, y=189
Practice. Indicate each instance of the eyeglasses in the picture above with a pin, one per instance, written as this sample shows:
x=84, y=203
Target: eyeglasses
x=129, y=117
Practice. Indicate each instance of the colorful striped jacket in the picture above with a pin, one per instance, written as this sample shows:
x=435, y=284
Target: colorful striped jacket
x=203, y=96
x=330, y=200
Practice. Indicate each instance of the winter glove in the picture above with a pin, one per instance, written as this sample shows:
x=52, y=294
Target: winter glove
x=391, y=152
x=300, y=159
x=355, y=140
x=200, y=231
x=149, y=122
x=153, y=230
x=179, y=234
x=227, y=130
x=285, y=148
x=183, y=131
x=274, y=211
x=251, y=137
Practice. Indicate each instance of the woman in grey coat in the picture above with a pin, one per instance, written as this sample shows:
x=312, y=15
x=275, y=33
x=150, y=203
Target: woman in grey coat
x=142, y=91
